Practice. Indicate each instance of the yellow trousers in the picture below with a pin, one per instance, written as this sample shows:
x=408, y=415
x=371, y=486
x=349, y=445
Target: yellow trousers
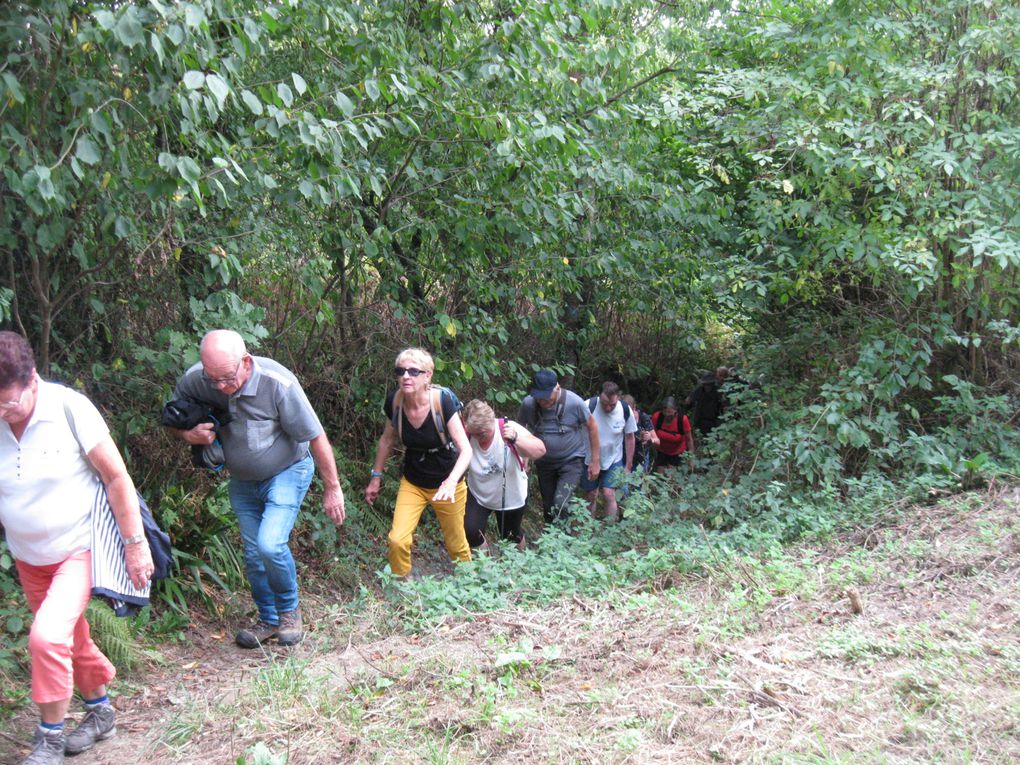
x=411, y=502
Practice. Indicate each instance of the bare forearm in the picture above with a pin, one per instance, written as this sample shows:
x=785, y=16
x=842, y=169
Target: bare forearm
x=529, y=446
x=460, y=466
x=325, y=461
x=382, y=451
x=593, y=440
x=120, y=491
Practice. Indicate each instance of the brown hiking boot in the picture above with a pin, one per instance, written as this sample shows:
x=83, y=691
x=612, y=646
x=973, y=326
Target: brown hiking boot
x=255, y=635
x=291, y=628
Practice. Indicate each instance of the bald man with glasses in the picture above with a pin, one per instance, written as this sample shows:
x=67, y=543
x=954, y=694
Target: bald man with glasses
x=269, y=446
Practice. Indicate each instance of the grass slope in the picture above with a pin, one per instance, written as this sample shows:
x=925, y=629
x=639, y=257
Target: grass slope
x=899, y=643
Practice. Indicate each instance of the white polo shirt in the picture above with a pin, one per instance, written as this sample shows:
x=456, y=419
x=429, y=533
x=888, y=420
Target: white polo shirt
x=47, y=486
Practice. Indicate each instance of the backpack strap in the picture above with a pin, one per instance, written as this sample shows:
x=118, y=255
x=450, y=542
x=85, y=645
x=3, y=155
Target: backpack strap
x=536, y=413
x=397, y=411
x=436, y=410
x=679, y=430
x=593, y=402
x=536, y=416
x=678, y=424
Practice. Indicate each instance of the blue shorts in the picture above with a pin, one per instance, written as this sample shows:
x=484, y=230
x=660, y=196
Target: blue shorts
x=608, y=478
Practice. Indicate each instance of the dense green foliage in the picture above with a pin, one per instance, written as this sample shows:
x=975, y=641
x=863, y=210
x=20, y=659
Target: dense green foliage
x=823, y=192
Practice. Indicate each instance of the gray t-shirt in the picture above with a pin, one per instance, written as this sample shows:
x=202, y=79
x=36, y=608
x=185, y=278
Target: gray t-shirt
x=563, y=429
x=273, y=421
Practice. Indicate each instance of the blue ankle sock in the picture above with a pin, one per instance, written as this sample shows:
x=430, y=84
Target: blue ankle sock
x=51, y=726
x=104, y=699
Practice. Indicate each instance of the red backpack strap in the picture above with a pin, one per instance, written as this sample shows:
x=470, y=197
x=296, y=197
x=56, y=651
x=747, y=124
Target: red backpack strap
x=513, y=447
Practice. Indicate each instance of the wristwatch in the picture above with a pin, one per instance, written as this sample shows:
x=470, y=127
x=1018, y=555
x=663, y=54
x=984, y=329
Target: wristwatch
x=134, y=539
x=376, y=474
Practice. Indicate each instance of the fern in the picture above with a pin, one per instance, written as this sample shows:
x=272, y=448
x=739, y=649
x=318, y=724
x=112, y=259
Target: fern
x=375, y=522
x=113, y=636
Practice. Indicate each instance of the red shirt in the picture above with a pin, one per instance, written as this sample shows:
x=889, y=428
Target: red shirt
x=673, y=434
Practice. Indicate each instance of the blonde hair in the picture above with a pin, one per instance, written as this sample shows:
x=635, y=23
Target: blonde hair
x=417, y=356
x=477, y=416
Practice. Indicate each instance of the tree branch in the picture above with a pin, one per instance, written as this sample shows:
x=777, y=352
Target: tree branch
x=671, y=69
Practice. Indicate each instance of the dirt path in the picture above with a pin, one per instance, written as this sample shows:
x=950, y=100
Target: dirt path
x=765, y=661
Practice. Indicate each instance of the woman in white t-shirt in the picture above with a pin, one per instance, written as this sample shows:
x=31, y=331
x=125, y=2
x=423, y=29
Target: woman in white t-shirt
x=497, y=477
x=55, y=452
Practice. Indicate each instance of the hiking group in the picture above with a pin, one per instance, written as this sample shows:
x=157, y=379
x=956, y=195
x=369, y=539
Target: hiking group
x=73, y=519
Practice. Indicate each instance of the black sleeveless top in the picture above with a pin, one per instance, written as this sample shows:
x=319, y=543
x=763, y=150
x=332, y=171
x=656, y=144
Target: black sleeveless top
x=427, y=462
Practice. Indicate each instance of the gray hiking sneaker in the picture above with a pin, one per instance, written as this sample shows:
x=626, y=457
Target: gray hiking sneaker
x=98, y=724
x=291, y=627
x=48, y=749
x=255, y=635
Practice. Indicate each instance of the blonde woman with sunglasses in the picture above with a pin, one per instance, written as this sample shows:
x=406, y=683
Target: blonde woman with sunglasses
x=426, y=420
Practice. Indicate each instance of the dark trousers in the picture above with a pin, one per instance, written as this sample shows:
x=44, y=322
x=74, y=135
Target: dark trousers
x=476, y=518
x=557, y=483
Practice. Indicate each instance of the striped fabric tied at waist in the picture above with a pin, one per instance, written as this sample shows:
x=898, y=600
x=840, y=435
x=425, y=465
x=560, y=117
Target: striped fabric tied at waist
x=110, y=578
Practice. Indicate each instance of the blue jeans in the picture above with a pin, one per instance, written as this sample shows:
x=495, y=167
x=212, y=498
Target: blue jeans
x=266, y=511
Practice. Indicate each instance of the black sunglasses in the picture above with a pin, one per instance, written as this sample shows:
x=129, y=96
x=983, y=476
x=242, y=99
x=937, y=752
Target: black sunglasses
x=401, y=371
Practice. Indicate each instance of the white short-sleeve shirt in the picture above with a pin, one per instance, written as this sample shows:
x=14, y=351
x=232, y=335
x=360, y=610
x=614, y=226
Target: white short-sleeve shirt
x=47, y=486
x=612, y=429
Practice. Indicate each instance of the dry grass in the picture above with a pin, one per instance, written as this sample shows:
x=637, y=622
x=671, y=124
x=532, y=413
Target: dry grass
x=765, y=661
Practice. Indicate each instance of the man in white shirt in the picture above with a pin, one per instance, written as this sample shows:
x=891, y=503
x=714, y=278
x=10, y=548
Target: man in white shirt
x=616, y=425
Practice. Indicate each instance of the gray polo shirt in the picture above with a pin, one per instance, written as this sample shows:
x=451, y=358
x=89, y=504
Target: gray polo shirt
x=273, y=421
x=564, y=432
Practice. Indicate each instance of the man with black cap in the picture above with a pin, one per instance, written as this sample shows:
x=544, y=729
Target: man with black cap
x=562, y=420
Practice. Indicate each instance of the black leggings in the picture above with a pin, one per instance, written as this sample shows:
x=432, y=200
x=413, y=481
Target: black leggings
x=476, y=518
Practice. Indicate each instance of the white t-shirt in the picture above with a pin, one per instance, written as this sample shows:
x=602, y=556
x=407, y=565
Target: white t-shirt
x=47, y=486
x=612, y=429
x=491, y=468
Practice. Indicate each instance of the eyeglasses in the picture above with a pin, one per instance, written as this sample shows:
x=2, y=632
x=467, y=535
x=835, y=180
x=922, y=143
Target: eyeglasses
x=401, y=371
x=6, y=406
x=223, y=380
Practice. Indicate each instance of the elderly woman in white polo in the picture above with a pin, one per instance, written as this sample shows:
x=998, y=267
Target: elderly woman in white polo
x=55, y=451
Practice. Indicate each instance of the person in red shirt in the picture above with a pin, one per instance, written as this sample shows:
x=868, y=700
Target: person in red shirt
x=674, y=432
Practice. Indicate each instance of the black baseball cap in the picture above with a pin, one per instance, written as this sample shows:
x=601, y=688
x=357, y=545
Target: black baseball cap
x=543, y=383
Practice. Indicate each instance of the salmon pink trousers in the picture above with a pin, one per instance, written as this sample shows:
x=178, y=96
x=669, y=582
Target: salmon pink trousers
x=62, y=651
